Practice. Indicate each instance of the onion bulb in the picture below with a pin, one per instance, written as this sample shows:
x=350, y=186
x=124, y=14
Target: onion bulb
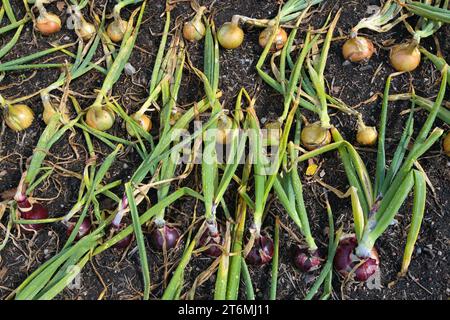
x=214, y=243
x=358, y=49
x=272, y=133
x=125, y=242
x=100, y=118
x=306, y=260
x=116, y=30
x=405, y=56
x=175, y=115
x=262, y=251
x=18, y=117
x=28, y=211
x=164, y=237
x=230, y=35
x=279, y=41
x=224, y=126
x=48, y=23
x=194, y=30
x=446, y=144
x=85, y=228
x=345, y=260
x=144, y=122
x=314, y=136
x=366, y=136
x=86, y=30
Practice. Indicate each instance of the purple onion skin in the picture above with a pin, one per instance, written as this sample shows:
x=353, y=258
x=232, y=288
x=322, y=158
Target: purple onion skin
x=306, y=260
x=262, y=251
x=214, y=243
x=84, y=229
x=167, y=235
x=37, y=212
x=125, y=242
x=344, y=264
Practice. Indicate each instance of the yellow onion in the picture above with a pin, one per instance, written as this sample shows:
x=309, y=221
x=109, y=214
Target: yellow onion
x=174, y=116
x=230, y=35
x=86, y=30
x=224, y=126
x=116, y=30
x=194, y=30
x=279, y=41
x=314, y=136
x=446, y=144
x=18, y=117
x=357, y=49
x=405, y=56
x=48, y=23
x=272, y=134
x=366, y=136
x=100, y=118
x=144, y=122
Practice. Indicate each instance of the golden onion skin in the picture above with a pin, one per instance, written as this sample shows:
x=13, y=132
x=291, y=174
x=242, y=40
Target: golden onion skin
x=367, y=136
x=87, y=31
x=194, y=30
x=446, y=144
x=230, y=35
x=19, y=117
x=116, y=30
x=100, y=119
x=358, y=49
x=279, y=41
x=48, y=23
x=144, y=122
x=405, y=57
x=313, y=136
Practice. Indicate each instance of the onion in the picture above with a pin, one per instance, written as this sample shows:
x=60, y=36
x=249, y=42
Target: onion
x=272, y=133
x=194, y=30
x=100, y=118
x=366, y=136
x=164, y=237
x=144, y=122
x=48, y=23
x=224, y=126
x=405, y=56
x=314, y=136
x=307, y=260
x=86, y=30
x=446, y=144
x=279, y=41
x=345, y=260
x=230, y=35
x=116, y=30
x=125, y=242
x=214, y=241
x=262, y=251
x=84, y=229
x=358, y=49
x=18, y=117
x=28, y=211
x=175, y=115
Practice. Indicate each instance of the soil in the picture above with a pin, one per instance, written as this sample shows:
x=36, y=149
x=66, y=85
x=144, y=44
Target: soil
x=115, y=274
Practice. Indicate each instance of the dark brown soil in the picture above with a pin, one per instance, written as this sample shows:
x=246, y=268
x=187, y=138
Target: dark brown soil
x=428, y=276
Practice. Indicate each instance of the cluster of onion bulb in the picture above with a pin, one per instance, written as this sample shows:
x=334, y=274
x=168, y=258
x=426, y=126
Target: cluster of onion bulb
x=46, y=23
x=194, y=30
x=314, y=136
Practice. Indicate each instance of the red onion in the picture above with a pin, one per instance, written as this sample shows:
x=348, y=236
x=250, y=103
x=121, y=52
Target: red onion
x=84, y=229
x=125, y=242
x=345, y=260
x=165, y=235
x=35, y=211
x=214, y=241
x=306, y=260
x=262, y=251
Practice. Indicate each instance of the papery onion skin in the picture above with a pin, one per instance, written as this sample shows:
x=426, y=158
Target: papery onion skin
x=262, y=251
x=19, y=117
x=144, y=122
x=279, y=40
x=367, y=136
x=194, y=30
x=358, y=49
x=87, y=31
x=48, y=23
x=306, y=260
x=344, y=260
x=100, y=119
x=405, y=57
x=35, y=211
x=85, y=228
x=213, y=241
x=164, y=235
x=313, y=136
x=116, y=30
x=446, y=144
x=230, y=35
